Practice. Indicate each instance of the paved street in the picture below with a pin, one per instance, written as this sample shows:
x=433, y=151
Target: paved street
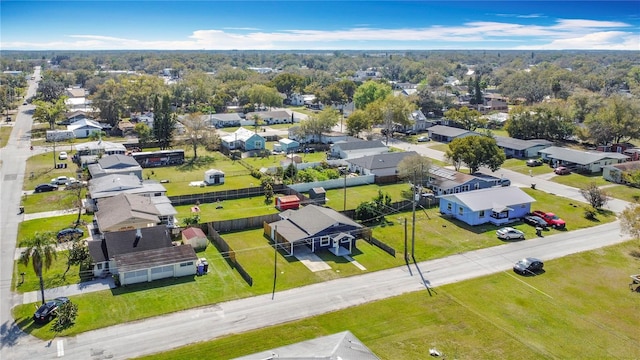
x=185, y=327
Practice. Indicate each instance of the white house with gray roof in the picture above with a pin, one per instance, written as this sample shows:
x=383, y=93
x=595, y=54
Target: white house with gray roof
x=446, y=134
x=519, y=148
x=380, y=164
x=354, y=148
x=498, y=205
x=581, y=161
x=112, y=185
x=115, y=164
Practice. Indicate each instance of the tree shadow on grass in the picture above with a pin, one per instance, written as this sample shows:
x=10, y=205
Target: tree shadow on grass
x=197, y=163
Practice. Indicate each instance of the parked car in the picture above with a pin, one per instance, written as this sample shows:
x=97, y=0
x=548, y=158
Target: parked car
x=48, y=310
x=508, y=233
x=62, y=155
x=552, y=219
x=561, y=170
x=534, y=162
x=45, y=187
x=528, y=266
x=69, y=234
x=424, y=139
x=536, y=221
x=74, y=184
x=60, y=180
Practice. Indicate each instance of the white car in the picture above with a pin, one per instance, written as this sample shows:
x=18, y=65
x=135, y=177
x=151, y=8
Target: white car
x=508, y=233
x=72, y=183
x=62, y=155
x=423, y=139
x=60, y=180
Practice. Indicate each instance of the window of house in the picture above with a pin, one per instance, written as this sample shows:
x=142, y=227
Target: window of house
x=258, y=144
x=476, y=186
x=460, y=211
x=325, y=241
x=465, y=188
x=449, y=206
x=481, y=213
x=99, y=266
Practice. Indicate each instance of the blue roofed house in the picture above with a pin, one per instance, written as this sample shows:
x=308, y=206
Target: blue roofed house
x=498, y=205
x=243, y=139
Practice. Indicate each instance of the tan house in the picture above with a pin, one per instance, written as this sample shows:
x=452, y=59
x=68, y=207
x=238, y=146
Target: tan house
x=126, y=212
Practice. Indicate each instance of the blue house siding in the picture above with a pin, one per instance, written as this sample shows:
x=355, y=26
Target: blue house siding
x=464, y=214
x=256, y=142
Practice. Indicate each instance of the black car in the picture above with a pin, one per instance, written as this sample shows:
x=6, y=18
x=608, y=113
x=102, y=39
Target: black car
x=69, y=233
x=535, y=221
x=528, y=266
x=45, y=187
x=47, y=311
x=534, y=162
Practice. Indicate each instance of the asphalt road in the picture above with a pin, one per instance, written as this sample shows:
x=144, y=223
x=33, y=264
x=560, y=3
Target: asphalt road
x=185, y=327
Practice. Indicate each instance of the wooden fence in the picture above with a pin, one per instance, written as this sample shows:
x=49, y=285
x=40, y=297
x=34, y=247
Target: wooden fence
x=228, y=253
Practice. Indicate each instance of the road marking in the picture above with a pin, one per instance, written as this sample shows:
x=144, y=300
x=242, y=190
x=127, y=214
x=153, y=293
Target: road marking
x=60, y=344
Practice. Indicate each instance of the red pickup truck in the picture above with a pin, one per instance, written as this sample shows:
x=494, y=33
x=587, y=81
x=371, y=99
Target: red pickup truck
x=552, y=219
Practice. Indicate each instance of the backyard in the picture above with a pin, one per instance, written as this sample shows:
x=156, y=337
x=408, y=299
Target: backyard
x=501, y=316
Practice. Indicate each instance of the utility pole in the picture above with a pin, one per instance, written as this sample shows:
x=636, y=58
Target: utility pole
x=275, y=261
x=344, y=206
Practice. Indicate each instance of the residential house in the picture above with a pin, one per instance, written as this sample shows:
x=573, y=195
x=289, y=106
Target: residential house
x=581, y=161
x=126, y=212
x=74, y=116
x=90, y=152
x=633, y=154
x=419, y=122
x=115, y=164
x=354, y=148
x=494, y=102
x=286, y=146
x=364, y=75
x=446, y=134
x=243, y=139
x=521, y=149
x=273, y=117
x=83, y=128
x=315, y=227
x=141, y=255
x=77, y=100
x=224, y=120
x=615, y=173
x=385, y=164
x=619, y=147
x=498, y=205
x=443, y=181
x=112, y=185
x=301, y=99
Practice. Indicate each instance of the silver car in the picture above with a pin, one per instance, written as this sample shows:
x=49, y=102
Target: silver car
x=509, y=233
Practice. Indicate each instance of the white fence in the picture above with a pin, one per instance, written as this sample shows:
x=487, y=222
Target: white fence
x=335, y=183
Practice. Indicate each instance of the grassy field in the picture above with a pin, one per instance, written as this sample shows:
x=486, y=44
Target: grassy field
x=438, y=146
x=580, y=181
x=5, y=133
x=231, y=209
x=359, y=194
x=40, y=168
x=580, y=308
x=520, y=166
x=623, y=192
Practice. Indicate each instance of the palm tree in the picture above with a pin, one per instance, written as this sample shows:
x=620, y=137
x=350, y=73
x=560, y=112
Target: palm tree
x=256, y=122
x=40, y=249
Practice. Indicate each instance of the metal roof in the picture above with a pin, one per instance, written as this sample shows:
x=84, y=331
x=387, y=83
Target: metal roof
x=580, y=157
x=153, y=258
x=519, y=144
x=381, y=161
x=490, y=198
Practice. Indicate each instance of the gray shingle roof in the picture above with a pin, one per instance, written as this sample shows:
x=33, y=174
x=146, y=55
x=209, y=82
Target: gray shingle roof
x=381, y=161
x=359, y=145
x=310, y=220
x=111, y=185
x=519, y=144
x=156, y=257
x=118, y=162
x=124, y=208
x=485, y=199
x=448, y=131
x=124, y=242
x=580, y=157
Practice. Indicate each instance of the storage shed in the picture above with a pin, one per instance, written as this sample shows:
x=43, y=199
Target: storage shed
x=214, y=177
x=287, y=202
x=318, y=195
x=288, y=146
x=195, y=237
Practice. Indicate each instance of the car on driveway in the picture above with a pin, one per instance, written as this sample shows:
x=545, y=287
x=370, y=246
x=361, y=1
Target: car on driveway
x=63, y=155
x=60, y=180
x=528, y=266
x=535, y=220
x=534, y=162
x=552, y=219
x=561, y=170
x=423, y=139
x=45, y=187
x=49, y=310
x=73, y=183
x=509, y=233
x=69, y=234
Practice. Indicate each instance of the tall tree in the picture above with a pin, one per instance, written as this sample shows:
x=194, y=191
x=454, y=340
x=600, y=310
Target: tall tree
x=475, y=151
x=617, y=121
x=320, y=123
x=357, y=122
x=369, y=92
x=468, y=118
x=50, y=112
x=50, y=90
x=390, y=112
x=197, y=131
x=40, y=250
x=415, y=169
x=164, y=121
x=630, y=220
x=287, y=83
x=109, y=99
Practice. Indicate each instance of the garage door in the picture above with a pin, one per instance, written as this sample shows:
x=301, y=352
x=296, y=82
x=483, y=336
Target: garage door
x=161, y=272
x=133, y=277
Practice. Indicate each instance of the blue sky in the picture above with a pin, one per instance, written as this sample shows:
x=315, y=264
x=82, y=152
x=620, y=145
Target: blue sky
x=319, y=25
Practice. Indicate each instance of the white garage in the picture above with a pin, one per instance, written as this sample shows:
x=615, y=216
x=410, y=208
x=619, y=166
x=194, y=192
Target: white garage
x=146, y=266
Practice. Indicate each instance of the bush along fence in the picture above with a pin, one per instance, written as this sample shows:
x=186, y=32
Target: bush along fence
x=228, y=253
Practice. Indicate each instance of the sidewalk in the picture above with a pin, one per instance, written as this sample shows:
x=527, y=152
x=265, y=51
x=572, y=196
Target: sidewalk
x=46, y=214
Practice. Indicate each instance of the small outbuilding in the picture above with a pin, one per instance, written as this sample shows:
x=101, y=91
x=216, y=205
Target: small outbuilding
x=195, y=237
x=318, y=195
x=214, y=177
x=288, y=146
x=287, y=202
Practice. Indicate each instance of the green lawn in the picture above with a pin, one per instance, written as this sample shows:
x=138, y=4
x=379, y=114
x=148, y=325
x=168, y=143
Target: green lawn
x=520, y=166
x=5, y=133
x=40, y=168
x=231, y=209
x=580, y=181
x=27, y=228
x=580, y=308
x=623, y=192
x=438, y=146
x=359, y=194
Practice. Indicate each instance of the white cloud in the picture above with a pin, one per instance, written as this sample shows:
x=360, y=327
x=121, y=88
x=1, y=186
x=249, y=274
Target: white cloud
x=564, y=34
